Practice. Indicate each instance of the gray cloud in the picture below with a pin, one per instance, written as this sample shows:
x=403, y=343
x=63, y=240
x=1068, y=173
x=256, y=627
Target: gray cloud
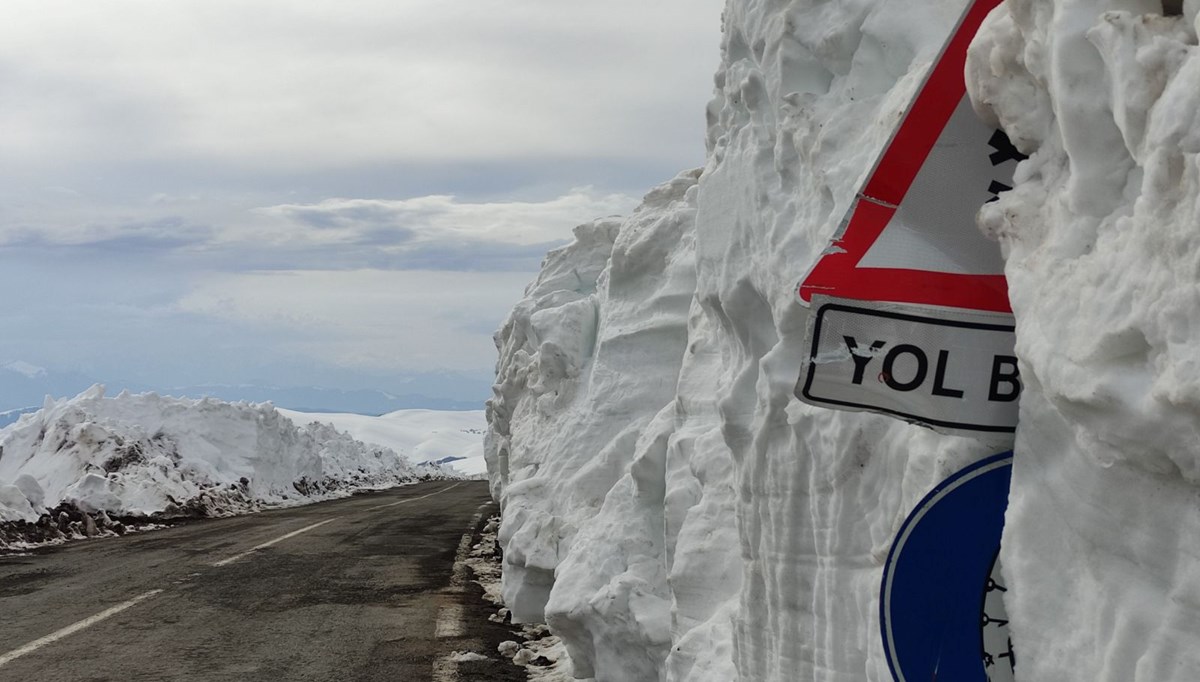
x=166, y=233
x=366, y=214
x=445, y=216
x=438, y=232
x=380, y=254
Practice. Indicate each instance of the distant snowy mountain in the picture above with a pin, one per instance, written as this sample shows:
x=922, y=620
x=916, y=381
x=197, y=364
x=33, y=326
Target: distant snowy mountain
x=453, y=438
x=23, y=384
x=12, y=416
x=317, y=399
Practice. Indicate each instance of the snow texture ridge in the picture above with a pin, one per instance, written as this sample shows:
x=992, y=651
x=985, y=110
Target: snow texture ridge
x=139, y=455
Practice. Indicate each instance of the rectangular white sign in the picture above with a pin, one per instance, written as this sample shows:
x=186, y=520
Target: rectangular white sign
x=953, y=370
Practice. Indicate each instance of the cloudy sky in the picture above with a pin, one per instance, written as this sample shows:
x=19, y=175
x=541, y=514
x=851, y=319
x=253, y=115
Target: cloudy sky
x=337, y=193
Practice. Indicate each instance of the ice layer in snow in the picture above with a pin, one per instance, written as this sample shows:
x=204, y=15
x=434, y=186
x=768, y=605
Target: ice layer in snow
x=674, y=513
x=144, y=454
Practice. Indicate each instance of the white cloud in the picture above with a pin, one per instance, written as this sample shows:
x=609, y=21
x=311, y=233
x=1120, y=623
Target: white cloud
x=368, y=319
x=276, y=83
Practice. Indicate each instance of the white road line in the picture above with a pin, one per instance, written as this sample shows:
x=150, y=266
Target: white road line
x=294, y=533
x=72, y=629
x=458, y=574
x=393, y=504
x=281, y=538
x=449, y=622
x=445, y=669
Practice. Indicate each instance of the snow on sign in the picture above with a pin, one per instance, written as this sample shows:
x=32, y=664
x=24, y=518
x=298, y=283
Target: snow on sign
x=941, y=614
x=911, y=313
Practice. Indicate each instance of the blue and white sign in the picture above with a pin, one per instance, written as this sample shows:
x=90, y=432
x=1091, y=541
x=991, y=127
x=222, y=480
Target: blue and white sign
x=941, y=614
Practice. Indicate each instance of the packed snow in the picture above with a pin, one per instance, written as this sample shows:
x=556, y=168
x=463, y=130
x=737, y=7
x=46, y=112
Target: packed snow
x=142, y=455
x=454, y=438
x=674, y=513
x=1102, y=544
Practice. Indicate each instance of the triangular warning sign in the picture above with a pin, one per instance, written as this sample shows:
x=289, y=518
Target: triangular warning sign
x=910, y=236
x=909, y=305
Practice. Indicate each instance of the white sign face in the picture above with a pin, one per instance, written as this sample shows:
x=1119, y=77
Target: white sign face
x=953, y=370
x=933, y=228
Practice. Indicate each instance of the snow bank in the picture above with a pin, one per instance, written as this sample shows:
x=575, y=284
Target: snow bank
x=146, y=454
x=1102, y=544
x=587, y=358
x=419, y=435
x=669, y=507
x=674, y=513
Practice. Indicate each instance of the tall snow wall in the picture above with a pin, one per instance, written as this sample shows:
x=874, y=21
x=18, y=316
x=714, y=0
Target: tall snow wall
x=674, y=513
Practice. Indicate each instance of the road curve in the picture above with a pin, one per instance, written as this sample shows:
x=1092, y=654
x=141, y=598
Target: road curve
x=355, y=589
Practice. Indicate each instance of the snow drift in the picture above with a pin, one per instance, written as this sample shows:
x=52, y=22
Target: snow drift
x=145, y=454
x=674, y=513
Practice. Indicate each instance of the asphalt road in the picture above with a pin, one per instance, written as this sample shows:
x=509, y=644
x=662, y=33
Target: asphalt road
x=362, y=588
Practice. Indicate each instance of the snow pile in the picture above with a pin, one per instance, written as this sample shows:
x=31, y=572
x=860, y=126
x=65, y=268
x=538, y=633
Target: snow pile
x=139, y=455
x=454, y=438
x=674, y=513
x=587, y=358
x=1102, y=546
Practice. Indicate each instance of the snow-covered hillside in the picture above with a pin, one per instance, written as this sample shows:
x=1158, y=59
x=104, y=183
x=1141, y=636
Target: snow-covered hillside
x=144, y=454
x=675, y=513
x=419, y=435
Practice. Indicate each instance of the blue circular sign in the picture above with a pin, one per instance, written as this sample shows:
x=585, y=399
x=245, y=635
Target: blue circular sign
x=940, y=610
